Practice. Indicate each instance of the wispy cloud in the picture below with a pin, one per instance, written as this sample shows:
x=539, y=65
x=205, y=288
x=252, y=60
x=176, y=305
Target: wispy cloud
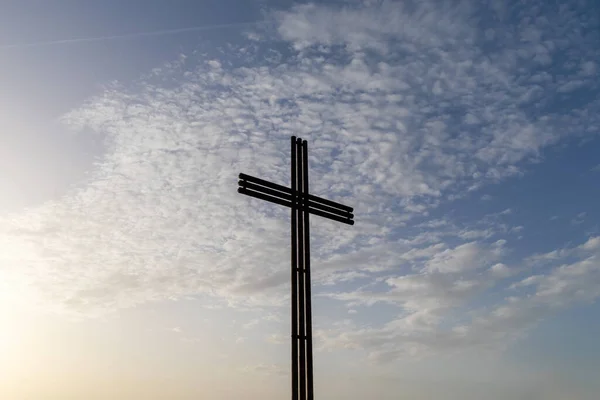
x=579, y=219
x=404, y=109
x=133, y=35
x=266, y=369
x=427, y=298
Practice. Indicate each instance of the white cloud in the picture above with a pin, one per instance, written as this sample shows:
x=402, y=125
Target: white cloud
x=402, y=109
x=570, y=86
x=500, y=270
x=589, y=68
x=266, y=369
x=592, y=244
x=465, y=257
x=215, y=64
x=240, y=340
x=579, y=219
x=540, y=259
x=277, y=339
x=418, y=332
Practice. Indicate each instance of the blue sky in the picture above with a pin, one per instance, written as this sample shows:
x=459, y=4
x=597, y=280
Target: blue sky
x=465, y=134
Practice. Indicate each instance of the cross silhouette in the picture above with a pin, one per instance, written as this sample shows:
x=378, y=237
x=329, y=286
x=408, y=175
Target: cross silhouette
x=302, y=204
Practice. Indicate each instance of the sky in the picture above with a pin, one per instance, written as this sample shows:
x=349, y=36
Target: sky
x=465, y=134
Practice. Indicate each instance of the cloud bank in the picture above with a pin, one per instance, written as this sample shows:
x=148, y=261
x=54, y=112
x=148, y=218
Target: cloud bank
x=405, y=107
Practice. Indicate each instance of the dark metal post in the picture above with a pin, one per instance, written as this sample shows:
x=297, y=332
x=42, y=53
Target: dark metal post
x=307, y=283
x=301, y=287
x=294, y=279
x=302, y=203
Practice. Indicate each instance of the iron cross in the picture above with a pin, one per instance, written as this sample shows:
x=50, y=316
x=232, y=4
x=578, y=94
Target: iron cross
x=302, y=204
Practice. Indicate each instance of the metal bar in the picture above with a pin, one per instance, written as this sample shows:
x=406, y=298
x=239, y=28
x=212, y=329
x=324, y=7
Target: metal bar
x=282, y=202
x=284, y=189
x=309, y=350
x=262, y=196
x=262, y=182
x=264, y=189
x=276, y=200
x=331, y=216
x=285, y=196
x=294, y=276
x=301, y=287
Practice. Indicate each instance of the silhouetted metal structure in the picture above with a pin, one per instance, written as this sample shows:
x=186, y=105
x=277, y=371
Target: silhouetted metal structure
x=302, y=204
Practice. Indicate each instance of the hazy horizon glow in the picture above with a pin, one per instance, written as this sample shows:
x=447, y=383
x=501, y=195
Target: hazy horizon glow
x=465, y=134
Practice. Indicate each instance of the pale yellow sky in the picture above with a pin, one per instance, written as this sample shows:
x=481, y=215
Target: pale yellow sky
x=138, y=353
x=117, y=357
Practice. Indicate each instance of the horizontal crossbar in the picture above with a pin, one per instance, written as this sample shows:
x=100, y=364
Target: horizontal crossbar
x=287, y=190
x=288, y=203
x=286, y=196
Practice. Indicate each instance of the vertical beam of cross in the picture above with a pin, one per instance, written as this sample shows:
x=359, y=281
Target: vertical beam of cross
x=302, y=204
x=302, y=334
x=307, y=283
x=294, y=245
